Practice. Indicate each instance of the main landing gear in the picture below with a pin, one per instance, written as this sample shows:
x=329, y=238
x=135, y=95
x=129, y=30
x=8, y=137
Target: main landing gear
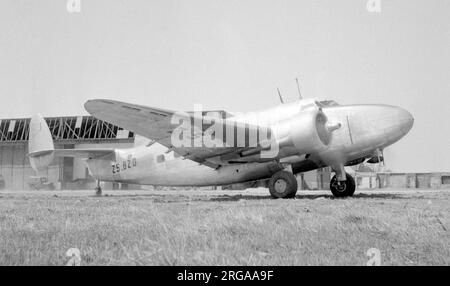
x=98, y=189
x=283, y=184
x=342, y=184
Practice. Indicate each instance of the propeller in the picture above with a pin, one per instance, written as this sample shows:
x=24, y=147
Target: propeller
x=336, y=157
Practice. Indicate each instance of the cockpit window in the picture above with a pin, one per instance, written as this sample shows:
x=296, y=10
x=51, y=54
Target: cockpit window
x=327, y=103
x=309, y=105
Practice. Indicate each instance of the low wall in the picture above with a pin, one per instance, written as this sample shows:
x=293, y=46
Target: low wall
x=402, y=180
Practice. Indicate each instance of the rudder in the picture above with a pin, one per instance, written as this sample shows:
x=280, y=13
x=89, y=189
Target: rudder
x=40, y=143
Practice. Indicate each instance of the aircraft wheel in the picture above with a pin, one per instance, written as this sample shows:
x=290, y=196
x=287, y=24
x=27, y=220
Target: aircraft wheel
x=343, y=189
x=98, y=190
x=283, y=184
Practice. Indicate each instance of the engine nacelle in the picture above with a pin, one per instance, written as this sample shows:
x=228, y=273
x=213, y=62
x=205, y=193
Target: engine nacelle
x=306, y=132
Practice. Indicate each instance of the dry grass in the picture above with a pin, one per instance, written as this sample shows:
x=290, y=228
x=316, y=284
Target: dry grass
x=219, y=228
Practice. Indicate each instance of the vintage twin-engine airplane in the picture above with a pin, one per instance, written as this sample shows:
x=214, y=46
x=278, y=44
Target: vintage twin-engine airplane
x=299, y=136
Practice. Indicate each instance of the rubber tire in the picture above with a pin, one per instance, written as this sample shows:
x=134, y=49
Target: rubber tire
x=291, y=185
x=349, y=190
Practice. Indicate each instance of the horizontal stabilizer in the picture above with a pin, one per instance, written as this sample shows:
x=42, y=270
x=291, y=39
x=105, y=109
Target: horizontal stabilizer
x=40, y=153
x=106, y=154
x=41, y=149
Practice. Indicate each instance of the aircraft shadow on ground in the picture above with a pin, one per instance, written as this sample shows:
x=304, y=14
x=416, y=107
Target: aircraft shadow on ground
x=305, y=197
x=171, y=198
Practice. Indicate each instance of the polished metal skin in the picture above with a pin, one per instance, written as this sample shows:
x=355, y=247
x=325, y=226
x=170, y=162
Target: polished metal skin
x=356, y=132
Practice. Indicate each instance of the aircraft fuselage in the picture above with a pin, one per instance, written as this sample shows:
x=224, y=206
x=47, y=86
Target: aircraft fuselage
x=363, y=130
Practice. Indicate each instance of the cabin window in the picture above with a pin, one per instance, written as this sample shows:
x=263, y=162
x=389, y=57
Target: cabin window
x=160, y=158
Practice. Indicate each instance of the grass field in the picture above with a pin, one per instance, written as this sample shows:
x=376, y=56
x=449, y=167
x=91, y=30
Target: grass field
x=223, y=228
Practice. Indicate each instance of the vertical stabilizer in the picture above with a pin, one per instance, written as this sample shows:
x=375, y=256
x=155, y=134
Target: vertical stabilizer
x=40, y=143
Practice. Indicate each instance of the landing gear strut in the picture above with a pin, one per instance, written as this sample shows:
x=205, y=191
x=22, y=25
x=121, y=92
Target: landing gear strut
x=283, y=184
x=98, y=189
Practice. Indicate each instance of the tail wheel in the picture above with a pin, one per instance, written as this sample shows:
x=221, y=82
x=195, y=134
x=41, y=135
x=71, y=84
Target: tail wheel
x=283, y=184
x=343, y=189
x=98, y=189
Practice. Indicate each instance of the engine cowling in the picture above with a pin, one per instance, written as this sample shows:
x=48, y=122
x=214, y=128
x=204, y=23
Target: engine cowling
x=307, y=132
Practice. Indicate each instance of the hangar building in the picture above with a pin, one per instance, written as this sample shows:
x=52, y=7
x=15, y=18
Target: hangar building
x=68, y=133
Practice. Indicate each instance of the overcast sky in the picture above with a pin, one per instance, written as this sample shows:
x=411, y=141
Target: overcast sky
x=232, y=55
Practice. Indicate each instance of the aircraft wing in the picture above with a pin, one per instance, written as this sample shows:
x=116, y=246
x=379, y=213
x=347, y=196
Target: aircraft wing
x=155, y=124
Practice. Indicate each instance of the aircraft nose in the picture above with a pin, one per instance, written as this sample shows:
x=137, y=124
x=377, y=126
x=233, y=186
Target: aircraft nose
x=397, y=123
x=378, y=125
x=405, y=120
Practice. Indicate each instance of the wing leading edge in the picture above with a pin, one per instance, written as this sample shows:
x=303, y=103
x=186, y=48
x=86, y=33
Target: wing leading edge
x=155, y=124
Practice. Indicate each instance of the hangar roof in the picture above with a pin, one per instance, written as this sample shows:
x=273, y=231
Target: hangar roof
x=70, y=130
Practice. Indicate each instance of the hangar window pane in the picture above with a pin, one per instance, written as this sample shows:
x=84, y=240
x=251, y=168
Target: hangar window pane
x=68, y=129
x=160, y=158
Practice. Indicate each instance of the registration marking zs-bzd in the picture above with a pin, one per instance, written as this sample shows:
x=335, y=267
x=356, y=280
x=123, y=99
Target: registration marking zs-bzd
x=124, y=165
